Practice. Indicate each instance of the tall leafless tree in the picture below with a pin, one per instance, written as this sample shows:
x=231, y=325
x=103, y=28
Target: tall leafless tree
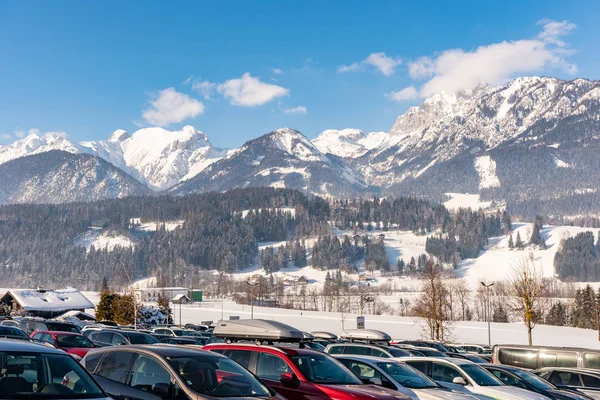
x=431, y=304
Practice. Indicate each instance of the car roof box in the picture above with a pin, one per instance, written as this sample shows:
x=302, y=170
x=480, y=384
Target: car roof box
x=257, y=329
x=324, y=335
x=366, y=334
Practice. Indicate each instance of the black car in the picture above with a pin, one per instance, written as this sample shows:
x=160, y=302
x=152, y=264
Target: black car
x=115, y=337
x=31, y=325
x=425, y=343
x=524, y=379
x=11, y=332
x=158, y=372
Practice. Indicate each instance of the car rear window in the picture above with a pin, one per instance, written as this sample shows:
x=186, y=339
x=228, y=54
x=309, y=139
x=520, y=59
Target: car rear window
x=524, y=358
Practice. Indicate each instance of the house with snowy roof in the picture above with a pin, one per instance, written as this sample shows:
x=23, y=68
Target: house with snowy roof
x=46, y=303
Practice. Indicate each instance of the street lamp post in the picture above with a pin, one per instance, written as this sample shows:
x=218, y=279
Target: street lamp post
x=251, y=284
x=488, y=312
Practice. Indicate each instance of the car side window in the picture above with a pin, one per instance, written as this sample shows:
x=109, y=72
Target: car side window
x=116, y=366
x=118, y=339
x=421, y=366
x=357, y=350
x=270, y=367
x=364, y=371
x=336, y=350
x=444, y=373
x=148, y=372
x=564, y=378
x=241, y=357
x=38, y=336
x=105, y=337
x=590, y=381
x=378, y=353
x=46, y=337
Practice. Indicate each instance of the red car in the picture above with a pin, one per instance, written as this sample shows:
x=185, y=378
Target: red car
x=302, y=374
x=75, y=344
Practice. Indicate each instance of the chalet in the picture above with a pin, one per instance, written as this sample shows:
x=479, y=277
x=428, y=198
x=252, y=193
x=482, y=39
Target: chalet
x=303, y=280
x=152, y=294
x=182, y=299
x=45, y=303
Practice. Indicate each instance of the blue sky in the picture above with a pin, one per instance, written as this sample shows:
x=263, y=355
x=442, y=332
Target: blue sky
x=239, y=69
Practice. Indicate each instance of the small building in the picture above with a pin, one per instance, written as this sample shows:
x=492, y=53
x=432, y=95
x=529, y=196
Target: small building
x=152, y=294
x=381, y=237
x=181, y=299
x=303, y=280
x=46, y=303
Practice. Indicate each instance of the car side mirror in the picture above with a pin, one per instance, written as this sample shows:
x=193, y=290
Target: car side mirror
x=459, y=380
x=289, y=379
x=376, y=381
x=161, y=388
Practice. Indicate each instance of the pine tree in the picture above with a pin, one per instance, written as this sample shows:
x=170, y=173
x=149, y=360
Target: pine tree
x=557, y=315
x=500, y=314
x=511, y=243
x=519, y=243
x=536, y=236
x=105, y=308
x=104, y=285
x=401, y=266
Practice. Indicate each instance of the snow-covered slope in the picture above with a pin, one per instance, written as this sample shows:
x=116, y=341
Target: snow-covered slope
x=348, y=143
x=35, y=144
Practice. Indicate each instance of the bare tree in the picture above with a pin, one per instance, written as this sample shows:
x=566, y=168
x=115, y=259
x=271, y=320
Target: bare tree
x=461, y=289
x=431, y=304
x=526, y=287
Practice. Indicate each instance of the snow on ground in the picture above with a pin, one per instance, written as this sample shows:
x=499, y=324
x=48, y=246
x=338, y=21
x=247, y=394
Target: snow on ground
x=486, y=168
x=397, y=327
x=290, y=210
x=465, y=200
x=153, y=225
x=101, y=239
x=497, y=260
x=560, y=163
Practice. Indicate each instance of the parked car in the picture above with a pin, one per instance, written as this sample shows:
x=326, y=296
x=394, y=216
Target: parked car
x=10, y=322
x=296, y=373
x=31, y=325
x=159, y=372
x=476, y=348
x=515, y=376
x=172, y=331
x=465, y=376
x=112, y=337
x=430, y=352
x=366, y=349
x=75, y=344
x=34, y=371
x=536, y=357
x=586, y=381
x=397, y=375
x=179, y=340
x=12, y=332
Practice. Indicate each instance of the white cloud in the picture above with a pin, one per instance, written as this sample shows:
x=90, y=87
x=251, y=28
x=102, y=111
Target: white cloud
x=33, y=131
x=248, y=91
x=553, y=30
x=408, y=93
x=295, y=110
x=188, y=80
x=20, y=133
x=169, y=106
x=5, y=136
x=277, y=71
x=205, y=88
x=495, y=64
x=385, y=64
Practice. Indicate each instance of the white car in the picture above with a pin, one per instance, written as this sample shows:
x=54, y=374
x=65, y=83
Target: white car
x=468, y=377
x=396, y=375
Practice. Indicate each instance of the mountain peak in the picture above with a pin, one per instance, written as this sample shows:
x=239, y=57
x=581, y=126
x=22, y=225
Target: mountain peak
x=118, y=136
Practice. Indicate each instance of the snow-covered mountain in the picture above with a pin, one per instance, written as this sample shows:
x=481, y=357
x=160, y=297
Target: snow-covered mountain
x=349, y=143
x=156, y=156
x=60, y=177
x=282, y=158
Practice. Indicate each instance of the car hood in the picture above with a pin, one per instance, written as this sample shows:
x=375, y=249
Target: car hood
x=363, y=391
x=567, y=394
x=509, y=393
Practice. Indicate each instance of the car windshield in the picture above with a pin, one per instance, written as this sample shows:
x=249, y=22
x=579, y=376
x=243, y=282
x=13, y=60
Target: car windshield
x=480, y=375
x=407, y=376
x=533, y=379
x=318, y=368
x=8, y=331
x=433, y=353
x=73, y=341
x=45, y=376
x=141, y=338
x=179, y=332
x=217, y=377
x=62, y=327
